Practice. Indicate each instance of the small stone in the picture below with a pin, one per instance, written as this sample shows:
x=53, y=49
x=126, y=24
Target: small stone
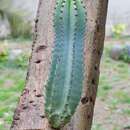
x=116, y=52
x=127, y=46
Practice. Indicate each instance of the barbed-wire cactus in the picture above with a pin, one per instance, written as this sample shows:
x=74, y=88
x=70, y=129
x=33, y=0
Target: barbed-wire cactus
x=64, y=86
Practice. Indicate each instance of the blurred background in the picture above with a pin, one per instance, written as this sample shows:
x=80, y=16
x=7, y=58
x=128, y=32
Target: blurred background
x=112, y=110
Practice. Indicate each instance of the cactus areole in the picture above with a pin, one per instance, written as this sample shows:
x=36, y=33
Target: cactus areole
x=65, y=81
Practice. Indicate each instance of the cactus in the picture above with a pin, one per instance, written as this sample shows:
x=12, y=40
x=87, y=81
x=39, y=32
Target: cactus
x=65, y=81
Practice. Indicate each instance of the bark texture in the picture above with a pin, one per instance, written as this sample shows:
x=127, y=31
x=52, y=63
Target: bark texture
x=30, y=114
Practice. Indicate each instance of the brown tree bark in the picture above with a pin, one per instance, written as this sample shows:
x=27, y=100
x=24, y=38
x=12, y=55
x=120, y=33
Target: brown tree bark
x=29, y=114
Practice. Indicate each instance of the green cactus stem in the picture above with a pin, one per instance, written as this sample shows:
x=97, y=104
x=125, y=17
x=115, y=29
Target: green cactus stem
x=65, y=81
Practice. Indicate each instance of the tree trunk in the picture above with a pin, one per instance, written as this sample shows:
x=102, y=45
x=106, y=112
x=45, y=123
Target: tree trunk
x=30, y=114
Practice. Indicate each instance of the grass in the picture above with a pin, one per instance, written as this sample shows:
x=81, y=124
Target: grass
x=97, y=127
x=122, y=96
x=104, y=87
x=112, y=103
x=126, y=112
x=113, y=90
x=9, y=93
x=12, y=80
x=112, y=72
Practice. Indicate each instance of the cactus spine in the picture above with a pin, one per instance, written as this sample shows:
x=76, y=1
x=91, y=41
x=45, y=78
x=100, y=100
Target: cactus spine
x=64, y=85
